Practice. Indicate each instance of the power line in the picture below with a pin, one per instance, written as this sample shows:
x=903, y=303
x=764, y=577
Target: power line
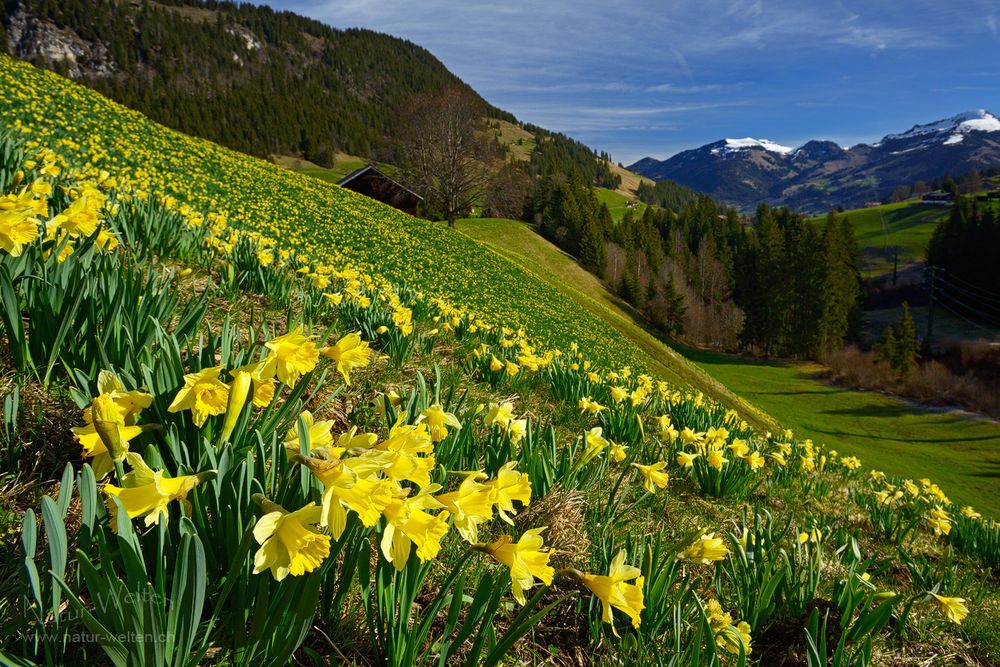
x=988, y=294
x=963, y=317
x=968, y=296
x=989, y=321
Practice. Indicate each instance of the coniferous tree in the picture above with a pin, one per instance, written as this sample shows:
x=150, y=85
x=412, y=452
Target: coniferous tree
x=907, y=345
x=592, y=253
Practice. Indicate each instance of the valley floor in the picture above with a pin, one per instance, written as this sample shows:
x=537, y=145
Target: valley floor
x=959, y=451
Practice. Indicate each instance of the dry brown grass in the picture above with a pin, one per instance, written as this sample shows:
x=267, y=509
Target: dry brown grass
x=562, y=511
x=931, y=383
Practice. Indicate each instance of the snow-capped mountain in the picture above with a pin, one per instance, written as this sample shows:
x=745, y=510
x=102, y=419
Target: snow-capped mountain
x=734, y=145
x=820, y=175
x=953, y=129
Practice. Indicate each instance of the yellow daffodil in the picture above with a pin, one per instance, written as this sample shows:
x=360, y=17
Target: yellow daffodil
x=407, y=455
x=734, y=637
x=350, y=352
x=939, y=521
x=110, y=425
x=289, y=542
x=595, y=444
x=850, y=462
x=667, y=431
x=526, y=559
x=754, y=460
x=970, y=513
x=438, y=422
x=686, y=459
x=706, y=549
x=408, y=522
x=470, y=505
x=953, y=608
x=292, y=355
x=17, y=229
x=689, y=437
x=653, y=476
x=590, y=406
x=517, y=429
x=263, y=387
x=320, y=433
x=613, y=592
x=510, y=485
x=146, y=493
x=739, y=448
x=617, y=453
x=344, y=488
x=500, y=415
x=715, y=459
x=203, y=393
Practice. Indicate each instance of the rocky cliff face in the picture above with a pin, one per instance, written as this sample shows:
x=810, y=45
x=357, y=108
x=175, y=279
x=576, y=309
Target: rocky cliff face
x=34, y=39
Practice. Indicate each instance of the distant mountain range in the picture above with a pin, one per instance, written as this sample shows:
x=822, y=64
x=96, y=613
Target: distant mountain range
x=820, y=175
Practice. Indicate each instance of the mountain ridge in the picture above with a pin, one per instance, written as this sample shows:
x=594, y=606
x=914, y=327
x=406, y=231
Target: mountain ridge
x=821, y=174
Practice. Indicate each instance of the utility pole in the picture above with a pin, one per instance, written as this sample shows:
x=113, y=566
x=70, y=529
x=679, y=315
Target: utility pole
x=930, y=306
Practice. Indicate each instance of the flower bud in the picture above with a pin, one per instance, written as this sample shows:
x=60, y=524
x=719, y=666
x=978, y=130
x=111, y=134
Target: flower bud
x=238, y=391
x=108, y=423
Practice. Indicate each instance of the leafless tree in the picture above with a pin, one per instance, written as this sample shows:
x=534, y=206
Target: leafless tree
x=445, y=150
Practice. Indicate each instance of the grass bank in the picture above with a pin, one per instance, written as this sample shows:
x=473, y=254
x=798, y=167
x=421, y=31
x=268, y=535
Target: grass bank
x=959, y=452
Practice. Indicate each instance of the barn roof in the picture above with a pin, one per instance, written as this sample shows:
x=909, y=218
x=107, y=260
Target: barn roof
x=371, y=169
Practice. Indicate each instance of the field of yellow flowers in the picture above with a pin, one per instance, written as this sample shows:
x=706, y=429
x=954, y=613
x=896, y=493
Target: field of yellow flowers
x=247, y=426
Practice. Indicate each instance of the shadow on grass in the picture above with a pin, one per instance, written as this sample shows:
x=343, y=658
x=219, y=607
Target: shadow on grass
x=882, y=411
x=988, y=469
x=808, y=392
x=881, y=436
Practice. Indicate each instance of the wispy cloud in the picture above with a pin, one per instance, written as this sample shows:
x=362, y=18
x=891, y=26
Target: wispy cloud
x=651, y=77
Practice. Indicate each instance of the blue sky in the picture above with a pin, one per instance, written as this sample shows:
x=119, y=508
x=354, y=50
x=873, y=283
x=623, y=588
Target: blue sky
x=654, y=78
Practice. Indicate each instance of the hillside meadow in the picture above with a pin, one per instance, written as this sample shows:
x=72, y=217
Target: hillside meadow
x=900, y=230
x=252, y=419
x=312, y=219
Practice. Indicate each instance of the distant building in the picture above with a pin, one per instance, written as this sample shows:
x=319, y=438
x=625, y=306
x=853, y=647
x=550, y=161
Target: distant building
x=371, y=182
x=938, y=198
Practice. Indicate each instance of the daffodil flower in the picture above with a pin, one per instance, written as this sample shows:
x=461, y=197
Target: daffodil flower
x=203, y=393
x=350, y=352
x=526, y=559
x=706, y=549
x=292, y=355
x=953, y=608
x=289, y=542
x=438, y=421
x=407, y=521
x=146, y=493
x=653, y=475
x=613, y=592
x=470, y=505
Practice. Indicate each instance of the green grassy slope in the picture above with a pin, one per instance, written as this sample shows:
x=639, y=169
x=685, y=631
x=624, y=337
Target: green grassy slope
x=343, y=165
x=521, y=245
x=618, y=203
x=323, y=224
x=907, y=229
x=959, y=452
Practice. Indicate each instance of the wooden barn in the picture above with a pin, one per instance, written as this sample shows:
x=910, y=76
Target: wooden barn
x=372, y=182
